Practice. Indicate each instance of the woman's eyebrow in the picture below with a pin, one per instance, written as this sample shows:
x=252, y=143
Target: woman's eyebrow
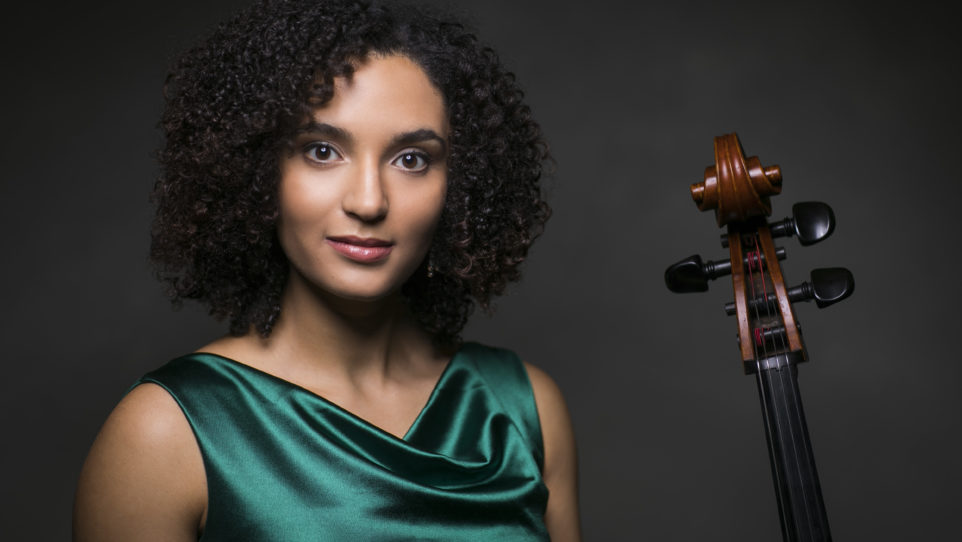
x=325, y=130
x=406, y=138
x=420, y=136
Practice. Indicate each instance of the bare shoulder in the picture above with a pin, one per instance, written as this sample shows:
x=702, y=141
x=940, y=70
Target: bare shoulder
x=561, y=458
x=546, y=391
x=556, y=428
x=143, y=478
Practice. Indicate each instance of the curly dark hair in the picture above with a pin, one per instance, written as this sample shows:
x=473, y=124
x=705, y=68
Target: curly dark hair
x=232, y=106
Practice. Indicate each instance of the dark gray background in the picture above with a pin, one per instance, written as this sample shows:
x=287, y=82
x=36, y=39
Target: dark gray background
x=857, y=102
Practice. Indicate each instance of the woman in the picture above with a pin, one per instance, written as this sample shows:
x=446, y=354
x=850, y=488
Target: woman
x=341, y=181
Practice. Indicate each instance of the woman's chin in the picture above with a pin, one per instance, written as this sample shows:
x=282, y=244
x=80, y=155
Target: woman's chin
x=366, y=293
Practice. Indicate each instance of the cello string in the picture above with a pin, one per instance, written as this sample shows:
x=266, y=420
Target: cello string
x=758, y=343
x=775, y=384
x=800, y=448
x=787, y=392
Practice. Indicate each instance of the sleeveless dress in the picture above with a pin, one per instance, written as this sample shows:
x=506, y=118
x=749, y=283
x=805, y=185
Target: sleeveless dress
x=285, y=464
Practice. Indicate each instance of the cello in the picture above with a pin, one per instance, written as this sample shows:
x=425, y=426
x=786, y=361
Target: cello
x=738, y=190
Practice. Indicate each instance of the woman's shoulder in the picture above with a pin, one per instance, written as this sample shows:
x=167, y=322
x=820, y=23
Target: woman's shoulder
x=560, y=455
x=498, y=360
x=144, y=473
x=552, y=411
x=502, y=366
x=552, y=408
x=146, y=416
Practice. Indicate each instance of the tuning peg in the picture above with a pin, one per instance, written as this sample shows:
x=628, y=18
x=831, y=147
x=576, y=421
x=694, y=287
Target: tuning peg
x=692, y=275
x=828, y=286
x=811, y=222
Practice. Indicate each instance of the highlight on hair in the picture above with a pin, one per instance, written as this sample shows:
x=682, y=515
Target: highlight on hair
x=232, y=106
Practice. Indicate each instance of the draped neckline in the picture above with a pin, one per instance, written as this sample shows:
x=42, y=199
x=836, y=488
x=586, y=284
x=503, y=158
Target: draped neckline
x=283, y=462
x=435, y=391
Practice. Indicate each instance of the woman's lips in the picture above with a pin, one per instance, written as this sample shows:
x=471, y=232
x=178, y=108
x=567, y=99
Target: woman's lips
x=361, y=249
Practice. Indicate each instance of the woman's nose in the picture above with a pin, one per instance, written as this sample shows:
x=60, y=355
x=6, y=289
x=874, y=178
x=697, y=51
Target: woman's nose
x=365, y=197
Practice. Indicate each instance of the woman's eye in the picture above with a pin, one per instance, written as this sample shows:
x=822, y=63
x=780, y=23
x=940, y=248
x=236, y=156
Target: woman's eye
x=413, y=161
x=321, y=153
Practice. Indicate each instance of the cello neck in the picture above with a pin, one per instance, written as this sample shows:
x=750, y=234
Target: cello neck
x=797, y=489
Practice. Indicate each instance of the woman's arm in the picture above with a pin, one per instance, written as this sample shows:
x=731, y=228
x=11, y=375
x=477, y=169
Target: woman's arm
x=560, y=461
x=144, y=477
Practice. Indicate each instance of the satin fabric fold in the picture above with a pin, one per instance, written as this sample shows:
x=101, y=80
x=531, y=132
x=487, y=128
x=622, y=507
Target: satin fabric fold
x=285, y=464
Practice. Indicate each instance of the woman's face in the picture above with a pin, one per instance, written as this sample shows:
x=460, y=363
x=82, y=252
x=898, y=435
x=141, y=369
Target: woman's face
x=363, y=190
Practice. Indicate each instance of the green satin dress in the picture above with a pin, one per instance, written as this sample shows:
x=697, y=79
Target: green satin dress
x=285, y=464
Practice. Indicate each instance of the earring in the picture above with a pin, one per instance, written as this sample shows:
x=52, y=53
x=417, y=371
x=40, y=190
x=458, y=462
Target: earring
x=430, y=270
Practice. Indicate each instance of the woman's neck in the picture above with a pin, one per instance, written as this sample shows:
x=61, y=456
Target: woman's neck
x=341, y=338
